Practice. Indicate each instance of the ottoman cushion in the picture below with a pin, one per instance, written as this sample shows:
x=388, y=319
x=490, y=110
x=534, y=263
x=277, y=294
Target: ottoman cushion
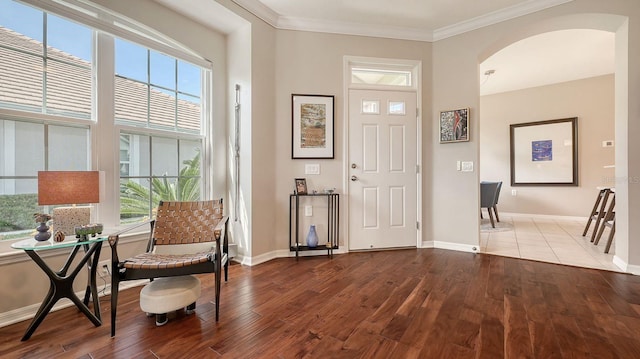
x=164, y=295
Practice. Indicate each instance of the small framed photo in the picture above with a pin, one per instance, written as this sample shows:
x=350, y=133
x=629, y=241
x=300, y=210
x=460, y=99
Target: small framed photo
x=454, y=126
x=301, y=186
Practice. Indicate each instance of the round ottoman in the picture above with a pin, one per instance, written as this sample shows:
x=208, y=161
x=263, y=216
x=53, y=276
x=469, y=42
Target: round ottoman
x=165, y=295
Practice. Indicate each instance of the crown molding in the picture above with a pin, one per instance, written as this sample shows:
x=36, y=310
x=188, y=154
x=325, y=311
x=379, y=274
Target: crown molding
x=352, y=28
x=260, y=10
x=495, y=17
x=395, y=32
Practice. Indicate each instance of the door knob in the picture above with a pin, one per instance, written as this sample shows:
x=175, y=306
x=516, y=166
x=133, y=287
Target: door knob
x=354, y=178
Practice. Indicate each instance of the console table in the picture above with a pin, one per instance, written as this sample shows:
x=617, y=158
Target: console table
x=61, y=282
x=333, y=215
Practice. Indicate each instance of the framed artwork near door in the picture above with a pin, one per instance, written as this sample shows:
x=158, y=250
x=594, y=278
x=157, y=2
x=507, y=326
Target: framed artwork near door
x=312, y=120
x=454, y=126
x=544, y=153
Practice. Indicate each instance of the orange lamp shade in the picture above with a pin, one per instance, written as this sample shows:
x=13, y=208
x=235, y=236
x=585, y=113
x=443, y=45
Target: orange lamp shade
x=68, y=187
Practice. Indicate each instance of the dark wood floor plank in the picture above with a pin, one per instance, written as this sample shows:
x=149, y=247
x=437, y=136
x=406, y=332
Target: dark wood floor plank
x=426, y=303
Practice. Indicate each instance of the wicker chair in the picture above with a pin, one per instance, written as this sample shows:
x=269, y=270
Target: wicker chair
x=185, y=239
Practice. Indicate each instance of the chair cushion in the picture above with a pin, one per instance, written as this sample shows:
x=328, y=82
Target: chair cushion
x=155, y=261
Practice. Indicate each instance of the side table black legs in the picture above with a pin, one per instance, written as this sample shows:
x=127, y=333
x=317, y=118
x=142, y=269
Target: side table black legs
x=61, y=285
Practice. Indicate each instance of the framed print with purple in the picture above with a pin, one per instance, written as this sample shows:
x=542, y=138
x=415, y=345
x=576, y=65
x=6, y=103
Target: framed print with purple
x=312, y=126
x=544, y=153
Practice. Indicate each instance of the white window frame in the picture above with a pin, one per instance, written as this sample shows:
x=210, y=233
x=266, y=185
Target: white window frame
x=104, y=154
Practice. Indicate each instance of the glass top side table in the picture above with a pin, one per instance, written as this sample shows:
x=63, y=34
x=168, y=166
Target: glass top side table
x=61, y=281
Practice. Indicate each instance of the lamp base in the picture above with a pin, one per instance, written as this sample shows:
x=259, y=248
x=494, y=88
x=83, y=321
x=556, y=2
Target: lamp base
x=66, y=219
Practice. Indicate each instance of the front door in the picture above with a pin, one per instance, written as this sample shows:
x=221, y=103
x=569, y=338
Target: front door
x=382, y=169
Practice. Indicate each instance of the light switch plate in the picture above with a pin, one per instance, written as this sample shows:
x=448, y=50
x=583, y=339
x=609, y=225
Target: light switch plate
x=467, y=166
x=312, y=169
x=308, y=211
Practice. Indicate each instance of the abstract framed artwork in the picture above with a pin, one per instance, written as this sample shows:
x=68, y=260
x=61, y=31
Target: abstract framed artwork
x=454, y=126
x=544, y=153
x=312, y=123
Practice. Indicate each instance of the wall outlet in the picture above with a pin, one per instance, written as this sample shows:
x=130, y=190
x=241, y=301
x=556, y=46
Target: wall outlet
x=514, y=192
x=104, y=268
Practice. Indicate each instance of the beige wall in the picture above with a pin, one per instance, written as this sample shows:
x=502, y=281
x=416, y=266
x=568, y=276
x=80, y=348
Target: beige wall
x=592, y=101
x=312, y=63
x=455, y=69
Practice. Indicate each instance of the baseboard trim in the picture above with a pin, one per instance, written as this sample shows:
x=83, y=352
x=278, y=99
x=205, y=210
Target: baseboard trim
x=29, y=312
x=543, y=216
x=626, y=267
x=471, y=248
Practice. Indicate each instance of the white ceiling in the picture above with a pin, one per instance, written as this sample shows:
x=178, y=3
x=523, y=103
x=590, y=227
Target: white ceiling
x=540, y=60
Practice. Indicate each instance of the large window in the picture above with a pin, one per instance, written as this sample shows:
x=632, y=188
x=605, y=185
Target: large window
x=51, y=77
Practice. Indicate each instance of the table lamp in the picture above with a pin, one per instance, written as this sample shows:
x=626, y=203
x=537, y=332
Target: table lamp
x=69, y=188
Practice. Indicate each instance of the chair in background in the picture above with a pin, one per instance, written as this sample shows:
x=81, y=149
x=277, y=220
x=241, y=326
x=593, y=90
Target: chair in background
x=488, y=198
x=185, y=239
x=597, y=212
x=609, y=220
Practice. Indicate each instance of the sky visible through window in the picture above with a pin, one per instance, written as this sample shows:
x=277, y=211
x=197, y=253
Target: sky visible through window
x=131, y=59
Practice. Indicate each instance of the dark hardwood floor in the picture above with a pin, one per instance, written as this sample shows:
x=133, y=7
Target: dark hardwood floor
x=424, y=303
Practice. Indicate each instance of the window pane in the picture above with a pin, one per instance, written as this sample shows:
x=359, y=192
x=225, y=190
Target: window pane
x=189, y=79
x=134, y=200
x=20, y=80
x=59, y=32
x=18, y=203
x=162, y=70
x=68, y=90
x=170, y=100
x=380, y=77
x=371, y=107
x=68, y=148
x=189, y=115
x=396, y=108
x=190, y=153
x=131, y=100
x=165, y=156
x=23, y=74
x=139, y=156
x=28, y=159
x=23, y=20
x=131, y=60
x=162, y=108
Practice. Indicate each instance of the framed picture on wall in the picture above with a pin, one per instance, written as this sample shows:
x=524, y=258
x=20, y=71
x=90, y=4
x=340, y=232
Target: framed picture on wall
x=454, y=126
x=544, y=153
x=312, y=126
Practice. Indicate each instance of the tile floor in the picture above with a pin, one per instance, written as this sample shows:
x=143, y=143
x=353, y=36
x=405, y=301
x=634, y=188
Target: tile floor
x=547, y=240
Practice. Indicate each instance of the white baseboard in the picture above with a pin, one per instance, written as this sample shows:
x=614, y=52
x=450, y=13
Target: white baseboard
x=626, y=267
x=543, y=216
x=471, y=248
x=29, y=312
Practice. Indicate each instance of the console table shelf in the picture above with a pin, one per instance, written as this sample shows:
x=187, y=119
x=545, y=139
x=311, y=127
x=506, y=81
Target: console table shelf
x=333, y=214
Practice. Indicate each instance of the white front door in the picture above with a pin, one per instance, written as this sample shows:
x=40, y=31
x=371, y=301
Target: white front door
x=382, y=169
